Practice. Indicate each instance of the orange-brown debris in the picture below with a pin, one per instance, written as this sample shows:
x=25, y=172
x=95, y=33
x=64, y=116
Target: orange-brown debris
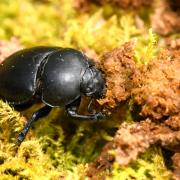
x=131, y=140
x=156, y=89
x=124, y=4
x=119, y=67
x=176, y=162
x=174, y=122
x=173, y=43
x=166, y=19
x=158, y=86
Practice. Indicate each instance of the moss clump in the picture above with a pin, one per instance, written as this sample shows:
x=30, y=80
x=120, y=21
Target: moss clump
x=37, y=23
x=113, y=31
x=22, y=162
x=46, y=147
x=144, y=55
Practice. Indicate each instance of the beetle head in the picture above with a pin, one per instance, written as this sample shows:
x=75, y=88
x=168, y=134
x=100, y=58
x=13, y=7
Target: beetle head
x=92, y=83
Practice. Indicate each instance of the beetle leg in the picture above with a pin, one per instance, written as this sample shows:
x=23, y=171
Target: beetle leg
x=96, y=116
x=73, y=108
x=21, y=107
x=35, y=116
x=89, y=106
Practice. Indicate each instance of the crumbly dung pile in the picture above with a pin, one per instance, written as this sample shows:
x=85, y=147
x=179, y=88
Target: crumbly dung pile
x=119, y=68
x=158, y=86
x=131, y=140
x=155, y=88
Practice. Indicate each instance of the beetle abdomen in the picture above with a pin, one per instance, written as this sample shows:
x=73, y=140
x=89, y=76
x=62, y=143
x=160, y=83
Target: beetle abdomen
x=18, y=74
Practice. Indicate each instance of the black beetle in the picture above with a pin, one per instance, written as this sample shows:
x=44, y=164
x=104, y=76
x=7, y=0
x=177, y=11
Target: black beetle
x=57, y=76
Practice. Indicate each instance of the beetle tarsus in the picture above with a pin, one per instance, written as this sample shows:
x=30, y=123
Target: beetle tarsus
x=99, y=116
x=21, y=137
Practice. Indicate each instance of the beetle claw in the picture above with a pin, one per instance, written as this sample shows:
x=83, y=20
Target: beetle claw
x=99, y=116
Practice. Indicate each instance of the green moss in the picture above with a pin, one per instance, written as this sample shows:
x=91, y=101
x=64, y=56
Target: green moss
x=112, y=32
x=87, y=141
x=146, y=48
x=10, y=123
x=23, y=162
x=45, y=153
x=34, y=23
x=37, y=158
x=57, y=23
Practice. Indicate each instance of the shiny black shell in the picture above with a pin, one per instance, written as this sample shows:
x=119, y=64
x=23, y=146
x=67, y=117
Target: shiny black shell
x=52, y=72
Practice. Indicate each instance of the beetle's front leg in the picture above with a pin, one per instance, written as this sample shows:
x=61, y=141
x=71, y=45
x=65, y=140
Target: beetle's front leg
x=73, y=108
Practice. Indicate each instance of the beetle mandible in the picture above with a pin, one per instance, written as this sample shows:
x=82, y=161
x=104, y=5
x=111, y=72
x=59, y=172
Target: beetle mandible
x=56, y=76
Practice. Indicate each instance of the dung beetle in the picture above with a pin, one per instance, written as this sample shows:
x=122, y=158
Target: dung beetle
x=56, y=76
